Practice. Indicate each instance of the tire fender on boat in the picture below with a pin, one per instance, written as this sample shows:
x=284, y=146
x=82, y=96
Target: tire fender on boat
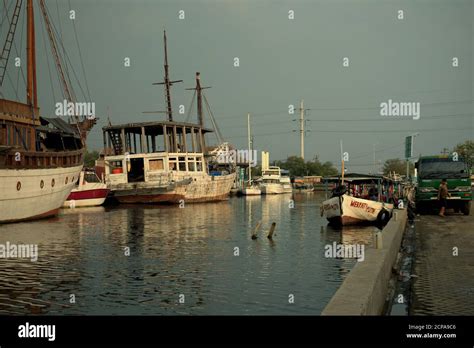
x=383, y=216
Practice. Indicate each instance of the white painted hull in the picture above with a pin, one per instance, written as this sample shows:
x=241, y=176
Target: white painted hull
x=348, y=210
x=251, y=191
x=93, y=202
x=271, y=189
x=195, y=187
x=22, y=197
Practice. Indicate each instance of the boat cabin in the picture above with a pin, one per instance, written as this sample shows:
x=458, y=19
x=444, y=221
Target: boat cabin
x=144, y=151
x=30, y=141
x=373, y=187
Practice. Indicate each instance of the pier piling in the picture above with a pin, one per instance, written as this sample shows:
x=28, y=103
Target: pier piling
x=255, y=230
x=272, y=229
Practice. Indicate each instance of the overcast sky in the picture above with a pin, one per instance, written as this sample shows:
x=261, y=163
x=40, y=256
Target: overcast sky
x=282, y=61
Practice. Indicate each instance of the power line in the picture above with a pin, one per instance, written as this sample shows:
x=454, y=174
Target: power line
x=280, y=112
x=365, y=131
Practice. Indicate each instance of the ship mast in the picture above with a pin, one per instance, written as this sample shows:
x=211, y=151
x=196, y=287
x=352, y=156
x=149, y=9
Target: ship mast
x=167, y=81
x=31, y=92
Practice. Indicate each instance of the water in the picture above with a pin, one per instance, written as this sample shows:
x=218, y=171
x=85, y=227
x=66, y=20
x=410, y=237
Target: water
x=178, y=254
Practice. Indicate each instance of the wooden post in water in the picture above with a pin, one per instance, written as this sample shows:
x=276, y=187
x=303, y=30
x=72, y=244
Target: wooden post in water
x=272, y=229
x=255, y=231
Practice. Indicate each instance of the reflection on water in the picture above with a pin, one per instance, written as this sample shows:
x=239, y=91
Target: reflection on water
x=202, y=251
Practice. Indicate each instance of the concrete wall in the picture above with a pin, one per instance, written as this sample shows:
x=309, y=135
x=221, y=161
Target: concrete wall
x=364, y=290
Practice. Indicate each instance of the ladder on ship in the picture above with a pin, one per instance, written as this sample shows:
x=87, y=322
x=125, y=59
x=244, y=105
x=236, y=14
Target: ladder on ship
x=9, y=41
x=116, y=140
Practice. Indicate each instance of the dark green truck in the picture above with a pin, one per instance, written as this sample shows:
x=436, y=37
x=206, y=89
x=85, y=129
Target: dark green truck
x=431, y=170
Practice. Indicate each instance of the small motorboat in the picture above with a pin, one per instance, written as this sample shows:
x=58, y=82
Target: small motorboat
x=89, y=191
x=348, y=210
x=252, y=190
x=365, y=200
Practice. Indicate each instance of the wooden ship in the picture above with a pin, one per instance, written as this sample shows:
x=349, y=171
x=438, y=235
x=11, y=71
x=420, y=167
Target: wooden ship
x=40, y=158
x=165, y=161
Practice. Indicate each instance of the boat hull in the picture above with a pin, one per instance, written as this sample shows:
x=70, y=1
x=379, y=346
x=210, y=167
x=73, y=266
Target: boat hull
x=273, y=189
x=25, y=198
x=196, y=189
x=251, y=191
x=90, y=195
x=348, y=210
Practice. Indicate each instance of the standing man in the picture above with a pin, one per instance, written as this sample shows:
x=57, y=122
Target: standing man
x=443, y=194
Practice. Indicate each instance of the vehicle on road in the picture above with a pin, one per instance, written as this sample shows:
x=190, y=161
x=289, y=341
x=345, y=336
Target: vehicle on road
x=431, y=170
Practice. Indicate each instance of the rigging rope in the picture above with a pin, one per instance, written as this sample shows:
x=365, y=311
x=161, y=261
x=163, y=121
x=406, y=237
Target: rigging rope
x=80, y=56
x=220, y=138
x=6, y=12
x=191, y=107
x=59, y=34
x=21, y=50
x=47, y=60
x=14, y=89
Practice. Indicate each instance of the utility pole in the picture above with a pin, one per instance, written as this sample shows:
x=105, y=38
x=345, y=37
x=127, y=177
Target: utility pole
x=302, y=129
x=373, y=147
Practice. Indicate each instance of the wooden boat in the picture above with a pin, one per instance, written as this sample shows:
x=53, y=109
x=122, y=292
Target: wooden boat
x=165, y=161
x=352, y=204
x=90, y=191
x=40, y=158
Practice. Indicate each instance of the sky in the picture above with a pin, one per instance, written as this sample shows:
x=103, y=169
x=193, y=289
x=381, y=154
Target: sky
x=281, y=61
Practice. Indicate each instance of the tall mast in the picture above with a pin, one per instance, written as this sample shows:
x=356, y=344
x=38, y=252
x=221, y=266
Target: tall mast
x=199, y=99
x=198, y=90
x=248, y=132
x=31, y=92
x=167, y=81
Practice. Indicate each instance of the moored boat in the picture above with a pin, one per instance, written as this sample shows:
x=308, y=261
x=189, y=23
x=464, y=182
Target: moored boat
x=40, y=157
x=274, y=181
x=348, y=210
x=165, y=161
x=90, y=191
x=365, y=199
x=252, y=190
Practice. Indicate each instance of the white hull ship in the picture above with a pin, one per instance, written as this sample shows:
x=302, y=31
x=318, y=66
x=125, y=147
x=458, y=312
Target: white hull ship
x=273, y=182
x=251, y=191
x=348, y=210
x=165, y=162
x=360, y=202
x=165, y=186
x=24, y=198
x=40, y=158
x=89, y=191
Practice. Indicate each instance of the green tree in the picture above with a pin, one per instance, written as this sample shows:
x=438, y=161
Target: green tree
x=298, y=167
x=396, y=165
x=466, y=151
x=90, y=157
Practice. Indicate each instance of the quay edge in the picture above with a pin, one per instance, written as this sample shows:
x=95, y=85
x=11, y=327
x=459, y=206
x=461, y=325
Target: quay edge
x=365, y=289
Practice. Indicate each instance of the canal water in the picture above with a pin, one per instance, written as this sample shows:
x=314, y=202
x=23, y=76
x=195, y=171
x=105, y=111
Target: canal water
x=198, y=259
